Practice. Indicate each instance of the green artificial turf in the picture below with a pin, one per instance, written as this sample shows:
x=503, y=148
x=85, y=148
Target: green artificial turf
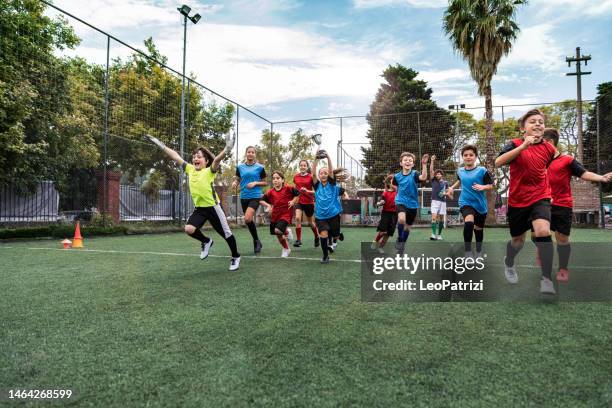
x=150, y=324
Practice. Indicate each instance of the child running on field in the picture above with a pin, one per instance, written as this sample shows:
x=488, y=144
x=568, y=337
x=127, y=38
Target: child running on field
x=250, y=175
x=439, y=188
x=407, y=181
x=201, y=176
x=560, y=172
x=305, y=206
x=327, y=203
x=529, y=195
x=474, y=181
x=281, y=199
x=388, y=215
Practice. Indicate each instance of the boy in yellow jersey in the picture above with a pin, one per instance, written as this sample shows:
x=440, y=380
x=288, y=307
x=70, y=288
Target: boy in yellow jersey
x=202, y=175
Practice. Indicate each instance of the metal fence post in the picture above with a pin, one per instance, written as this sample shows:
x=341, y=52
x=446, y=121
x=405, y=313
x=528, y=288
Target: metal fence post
x=237, y=138
x=602, y=214
x=106, y=106
x=419, y=132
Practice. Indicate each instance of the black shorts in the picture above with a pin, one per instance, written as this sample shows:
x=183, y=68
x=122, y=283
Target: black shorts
x=308, y=209
x=331, y=225
x=520, y=218
x=479, y=218
x=561, y=219
x=281, y=225
x=410, y=213
x=387, y=223
x=214, y=215
x=250, y=203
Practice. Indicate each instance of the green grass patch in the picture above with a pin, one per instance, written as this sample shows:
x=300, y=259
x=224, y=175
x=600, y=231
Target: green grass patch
x=153, y=325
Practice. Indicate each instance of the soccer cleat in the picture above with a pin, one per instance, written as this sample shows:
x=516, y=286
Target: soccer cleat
x=285, y=253
x=468, y=255
x=563, y=275
x=439, y=238
x=510, y=273
x=398, y=245
x=317, y=242
x=433, y=237
x=234, y=264
x=289, y=234
x=547, y=286
x=297, y=243
x=341, y=237
x=374, y=245
x=325, y=260
x=257, y=246
x=205, y=248
x=381, y=250
x=333, y=246
x=400, y=248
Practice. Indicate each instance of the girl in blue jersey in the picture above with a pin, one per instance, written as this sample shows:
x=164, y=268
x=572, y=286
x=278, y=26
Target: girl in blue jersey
x=475, y=180
x=407, y=200
x=327, y=203
x=250, y=175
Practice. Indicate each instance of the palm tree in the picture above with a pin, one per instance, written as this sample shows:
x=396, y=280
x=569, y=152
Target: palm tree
x=482, y=32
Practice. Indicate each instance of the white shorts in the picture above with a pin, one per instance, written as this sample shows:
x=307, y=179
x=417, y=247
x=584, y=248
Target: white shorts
x=438, y=207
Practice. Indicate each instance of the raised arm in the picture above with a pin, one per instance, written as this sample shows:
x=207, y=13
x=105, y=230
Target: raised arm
x=313, y=170
x=590, y=176
x=229, y=144
x=169, y=152
x=431, y=167
x=507, y=156
x=423, y=175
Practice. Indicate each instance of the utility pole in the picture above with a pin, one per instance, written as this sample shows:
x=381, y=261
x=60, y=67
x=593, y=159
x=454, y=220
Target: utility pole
x=578, y=59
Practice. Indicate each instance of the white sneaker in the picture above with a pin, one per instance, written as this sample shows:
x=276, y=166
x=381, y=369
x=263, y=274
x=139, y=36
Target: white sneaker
x=205, y=249
x=289, y=234
x=285, y=253
x=468, y=255
x=547, y=286
x=334, y=245
x=374, y=245
x=234, y=264
x=439, y=238
x=510, y=273
x=381, y=251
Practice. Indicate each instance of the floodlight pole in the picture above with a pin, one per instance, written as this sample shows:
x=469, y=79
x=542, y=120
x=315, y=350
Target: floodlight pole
x=578, y=59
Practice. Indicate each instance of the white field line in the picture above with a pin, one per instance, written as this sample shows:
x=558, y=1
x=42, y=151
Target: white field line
x=110, y=251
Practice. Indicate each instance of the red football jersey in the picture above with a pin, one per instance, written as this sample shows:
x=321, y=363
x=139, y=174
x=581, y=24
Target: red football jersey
x=280, y=200
x=389, y=197
x=560, y=173
x=528, y=175
x=304, y=181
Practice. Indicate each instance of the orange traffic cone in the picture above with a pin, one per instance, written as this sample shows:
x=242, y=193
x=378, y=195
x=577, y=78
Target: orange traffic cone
x=77, y=241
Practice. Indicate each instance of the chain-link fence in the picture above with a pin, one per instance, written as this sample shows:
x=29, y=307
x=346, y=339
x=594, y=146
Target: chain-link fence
x=89, y=160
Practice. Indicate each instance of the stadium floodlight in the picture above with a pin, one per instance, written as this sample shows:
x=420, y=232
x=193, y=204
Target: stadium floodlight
x=184, y=10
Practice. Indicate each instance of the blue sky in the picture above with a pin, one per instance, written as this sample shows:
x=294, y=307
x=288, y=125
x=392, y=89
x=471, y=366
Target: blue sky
x=290, y=59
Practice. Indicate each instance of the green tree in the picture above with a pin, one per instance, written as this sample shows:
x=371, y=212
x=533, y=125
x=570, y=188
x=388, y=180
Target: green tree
x=482, y=32
x=600, y=120
x=404, y=118
x=39, y=123
x=275, y=155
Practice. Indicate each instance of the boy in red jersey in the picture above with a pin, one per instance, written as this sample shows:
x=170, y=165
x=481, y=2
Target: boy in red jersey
x=280, y=198
x=388, y=215
x=305, y=206
x=560, y=173
x=529, y=195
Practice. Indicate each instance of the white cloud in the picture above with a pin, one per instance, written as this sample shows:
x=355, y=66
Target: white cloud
x=536, y=48
x=363, y=4
x=573, y=8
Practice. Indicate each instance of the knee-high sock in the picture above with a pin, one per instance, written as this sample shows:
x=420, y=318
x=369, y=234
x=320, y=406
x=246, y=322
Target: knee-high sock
x=400, y=232
x=405, y=235
x=479, y=235
x=545, y=246
x=199, y=236
x=282, y=241
x=511, y=252
x=440, y=227
x=434, y=224
x=298, y=232
x=231, y=242
x=253, y=230
x=315, y=231
x=324, y=247
x=379, y=235
x=468, y=231
x=564, y=254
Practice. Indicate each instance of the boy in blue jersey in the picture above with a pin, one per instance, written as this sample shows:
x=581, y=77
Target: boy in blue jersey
x=407, y=199
x=250, y=175
x=475, y=180
x=327, y=204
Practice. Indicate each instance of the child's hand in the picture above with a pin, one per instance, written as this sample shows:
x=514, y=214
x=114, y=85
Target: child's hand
x=529, y=140
x=235, y=184
x=450, y=191
x=478, y=187
x=424, y=159
x=291, y=203
x=252, y=184
x=433, y=158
